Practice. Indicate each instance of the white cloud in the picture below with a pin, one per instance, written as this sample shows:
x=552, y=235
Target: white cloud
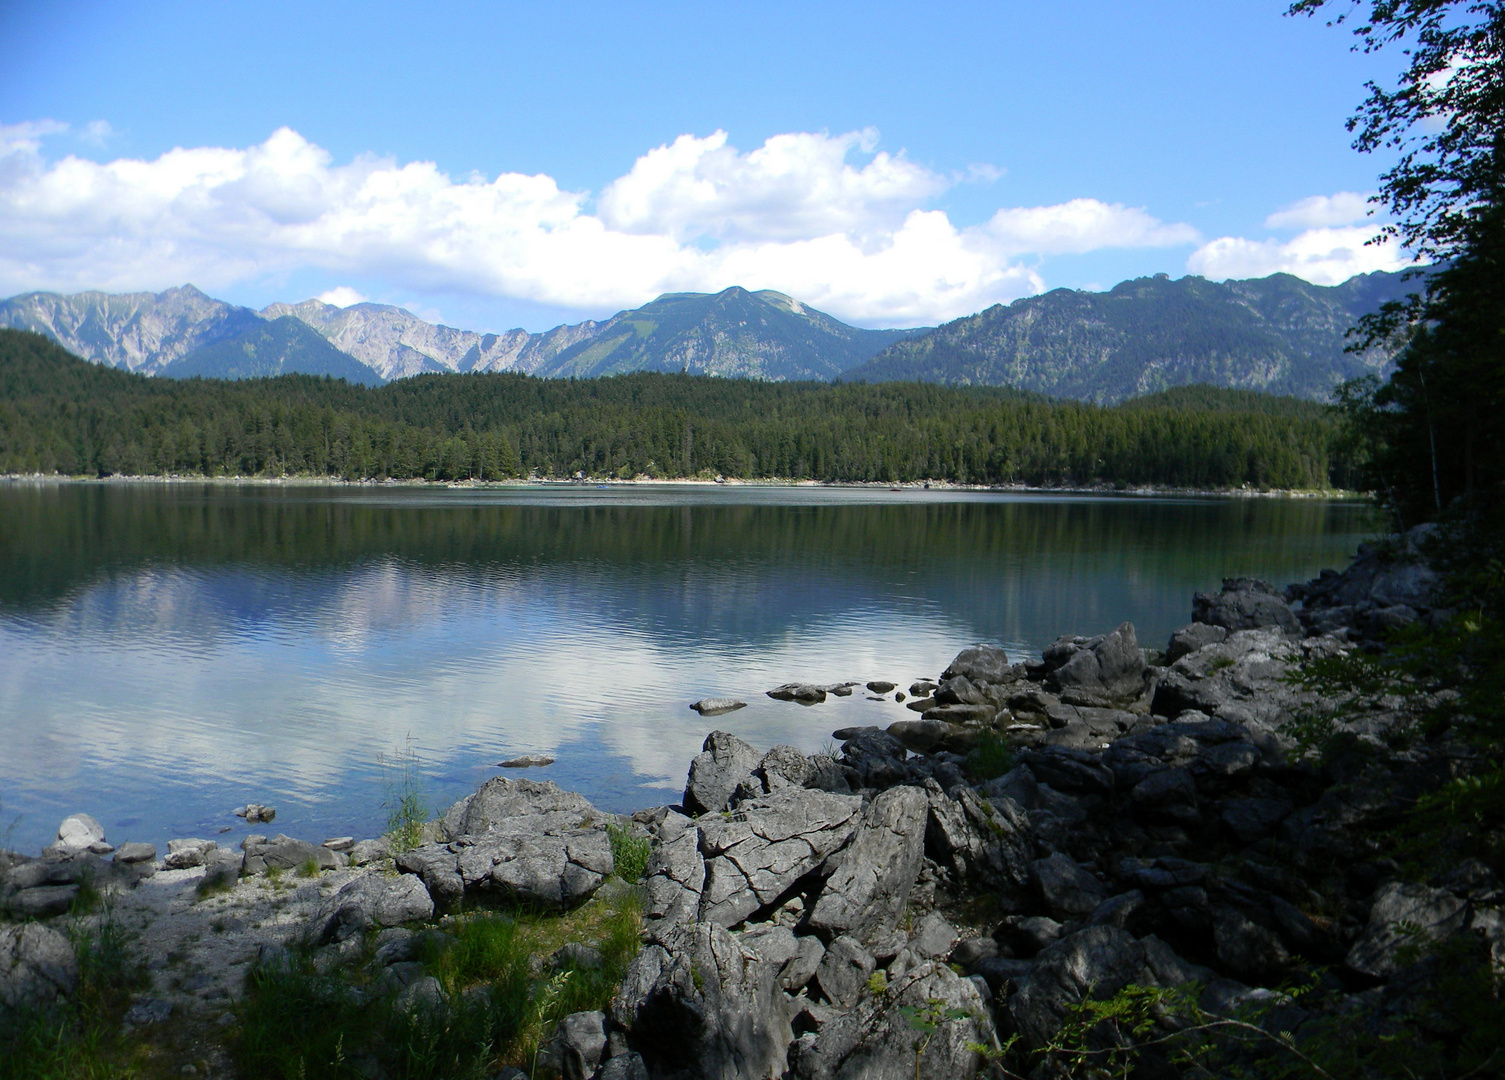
x=1082, y=225
x=341, y=296
x=1323, y=256
x=1321, y=211
x=793, y=187
x=795, y=214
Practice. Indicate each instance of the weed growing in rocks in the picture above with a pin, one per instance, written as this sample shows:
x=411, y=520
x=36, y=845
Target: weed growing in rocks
x=501, y=988
x=80, y=1038
x=407, y=809
x=629, y=853
x=989, y=759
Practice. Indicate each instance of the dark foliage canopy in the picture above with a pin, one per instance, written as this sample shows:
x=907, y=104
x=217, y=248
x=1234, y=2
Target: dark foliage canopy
x=64, y=415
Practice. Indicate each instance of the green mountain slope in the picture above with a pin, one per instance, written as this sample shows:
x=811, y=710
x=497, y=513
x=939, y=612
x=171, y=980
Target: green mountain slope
x=284, y=346
x=1277, y=334
x=734, y=333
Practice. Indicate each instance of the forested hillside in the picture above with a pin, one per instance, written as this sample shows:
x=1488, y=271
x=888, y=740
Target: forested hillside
x=59, y=414
x=1276, y=334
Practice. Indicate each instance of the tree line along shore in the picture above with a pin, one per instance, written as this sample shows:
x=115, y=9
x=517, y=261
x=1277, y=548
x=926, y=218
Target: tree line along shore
x=63, y=415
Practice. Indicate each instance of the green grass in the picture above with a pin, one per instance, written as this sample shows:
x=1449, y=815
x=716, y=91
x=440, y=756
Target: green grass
x=989, y=759
x=629, y=853
x=406, y=806
x=79, y=1039
x=503, y=1001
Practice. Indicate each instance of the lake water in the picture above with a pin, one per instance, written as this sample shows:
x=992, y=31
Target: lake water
x=169, y=652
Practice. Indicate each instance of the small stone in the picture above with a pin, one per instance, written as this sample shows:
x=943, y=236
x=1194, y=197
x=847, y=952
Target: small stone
x=880, y=686
x=340, y=843
x=78, y=831
x=715, y=706
x=182, y=854
x=134, y=852
x=148, y=1010
x=526, y=761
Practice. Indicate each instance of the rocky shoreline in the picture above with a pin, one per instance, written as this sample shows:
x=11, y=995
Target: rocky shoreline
x=937, y=899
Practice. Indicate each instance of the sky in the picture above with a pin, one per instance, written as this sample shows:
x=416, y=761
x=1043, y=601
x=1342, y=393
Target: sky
x=494, y=165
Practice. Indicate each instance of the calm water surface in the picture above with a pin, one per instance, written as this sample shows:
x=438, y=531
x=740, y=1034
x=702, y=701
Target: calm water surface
x=170, y=652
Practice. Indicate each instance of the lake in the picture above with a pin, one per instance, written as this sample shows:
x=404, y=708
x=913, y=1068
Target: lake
x=171, y=651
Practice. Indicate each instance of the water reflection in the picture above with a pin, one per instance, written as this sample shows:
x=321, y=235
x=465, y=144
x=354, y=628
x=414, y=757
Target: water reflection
x=170, y=652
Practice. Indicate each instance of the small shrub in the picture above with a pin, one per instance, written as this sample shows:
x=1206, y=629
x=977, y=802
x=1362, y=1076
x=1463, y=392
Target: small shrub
x=990, y=758
x=308, y=869
x=629, y=853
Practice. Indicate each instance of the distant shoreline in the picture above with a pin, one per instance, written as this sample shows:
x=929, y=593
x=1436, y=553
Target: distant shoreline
x=1144, y=490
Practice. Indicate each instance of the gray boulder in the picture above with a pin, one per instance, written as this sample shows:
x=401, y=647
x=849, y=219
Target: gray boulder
x=41, y=901
x=1098, y=962
x=1251, y=951
x=1405, y=914
x=675, y=876
x=703, y=1005
x=1245, y=604
x=876, y=1040
x=877, y=758
x=136, y=853
x=1067, y=888
x=980, y=841
x=558, y=870
x=804, y=693
x=768, y=844
x=1189, y=639
x=281, y=853
x=37, y=965
x=1104, y=671
x=367, y=902
x=79, y=832
x=724, y=763
x=868, y=883
x=501, y=803
x=716, y=706
x=784, y=766
x=979, y=664
x=800, y=968
x=626, y=1066
x=843, y=971
x=774, y=943
x=933, y=937
x=183, y=854
x=577, y=1047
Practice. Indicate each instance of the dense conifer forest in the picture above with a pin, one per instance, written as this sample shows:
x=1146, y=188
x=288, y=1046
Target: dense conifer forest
x=60, y=414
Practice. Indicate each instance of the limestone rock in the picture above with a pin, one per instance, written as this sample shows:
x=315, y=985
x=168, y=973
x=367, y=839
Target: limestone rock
x=1245, y=604
x=724, y=762
x=1100, y=961
x=769, y=844
x=577, y=1047
x=876, y=1041
x=705, y=1006
x=78, y=832
x=1108, y=670
x=869, y=883
x=1066, y=887
x=367, y=902
x=979, y=664
x=37, y=965
x=1404, y=913
x=182, y=854
x=716, y=706
x=980, y=841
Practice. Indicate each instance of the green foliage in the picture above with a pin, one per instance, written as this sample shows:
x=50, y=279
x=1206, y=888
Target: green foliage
x=62, y=415
x=925, y=1020
x=989, y=759
x=407, y=809
x=79, y=1039
x=629, y=853
x=501, y=1005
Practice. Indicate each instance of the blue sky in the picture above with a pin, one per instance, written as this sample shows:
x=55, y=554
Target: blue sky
x=497, y=165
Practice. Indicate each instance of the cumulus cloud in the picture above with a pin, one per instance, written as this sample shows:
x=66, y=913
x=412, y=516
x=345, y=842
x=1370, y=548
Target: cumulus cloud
x=341, y=296
x=826, y=218
x=1082, y=225
x=1321, y=211
x=1323, y=256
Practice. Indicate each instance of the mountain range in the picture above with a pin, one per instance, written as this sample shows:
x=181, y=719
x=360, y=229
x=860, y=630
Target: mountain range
x=1276, y=334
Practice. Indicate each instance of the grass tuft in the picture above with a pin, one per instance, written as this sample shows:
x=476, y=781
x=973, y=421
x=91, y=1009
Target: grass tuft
x=629, y=853
x=989, y=759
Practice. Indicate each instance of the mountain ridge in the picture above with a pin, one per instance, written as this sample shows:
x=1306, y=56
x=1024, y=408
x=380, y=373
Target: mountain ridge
x=1277, y=334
